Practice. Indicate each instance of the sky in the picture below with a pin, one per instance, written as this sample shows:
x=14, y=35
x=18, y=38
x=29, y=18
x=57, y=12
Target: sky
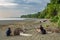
x=16, y=8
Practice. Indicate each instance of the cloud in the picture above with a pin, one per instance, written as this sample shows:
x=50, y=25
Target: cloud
x=14, y=8
x=7, y=3
x=19, y=3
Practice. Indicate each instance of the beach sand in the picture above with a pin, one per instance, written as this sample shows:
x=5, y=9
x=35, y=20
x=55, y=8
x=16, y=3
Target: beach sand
x=30, y=26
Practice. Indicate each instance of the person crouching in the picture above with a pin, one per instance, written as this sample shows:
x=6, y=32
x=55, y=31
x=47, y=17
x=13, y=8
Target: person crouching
x=8, y=32
x=43, y=31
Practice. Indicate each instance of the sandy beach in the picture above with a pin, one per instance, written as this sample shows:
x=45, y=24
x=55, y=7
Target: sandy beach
x=30, y=26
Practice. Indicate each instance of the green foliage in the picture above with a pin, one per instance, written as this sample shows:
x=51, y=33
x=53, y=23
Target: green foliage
x=55, y=19
x=52, y=11
x=31, y=15
x=58, y=1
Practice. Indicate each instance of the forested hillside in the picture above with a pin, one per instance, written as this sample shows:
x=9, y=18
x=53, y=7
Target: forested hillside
x=52, y=11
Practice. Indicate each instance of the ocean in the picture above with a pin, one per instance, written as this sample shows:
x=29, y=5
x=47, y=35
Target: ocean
x=4, y=21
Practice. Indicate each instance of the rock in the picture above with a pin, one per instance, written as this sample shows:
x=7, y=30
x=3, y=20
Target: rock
x=17, y=31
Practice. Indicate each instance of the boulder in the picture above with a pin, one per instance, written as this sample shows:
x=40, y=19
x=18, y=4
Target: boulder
x=17, y=31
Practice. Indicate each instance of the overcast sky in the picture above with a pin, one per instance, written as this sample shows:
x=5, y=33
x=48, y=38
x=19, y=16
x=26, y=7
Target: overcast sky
x=16, y=8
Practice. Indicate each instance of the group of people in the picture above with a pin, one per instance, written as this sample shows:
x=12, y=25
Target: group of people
x=43, y=31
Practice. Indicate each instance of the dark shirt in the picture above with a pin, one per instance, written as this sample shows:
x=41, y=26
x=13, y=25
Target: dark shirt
x=43, y=30
x=8, y=32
